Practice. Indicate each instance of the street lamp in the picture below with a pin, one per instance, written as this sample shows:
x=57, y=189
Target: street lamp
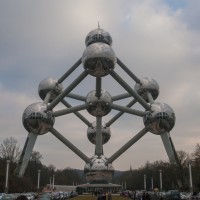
x=50, y=184
x=38, y=186
x=160, y=179
x=53, y=181
x=152, y=183
x=7, y=174
x=190, y=173
x=145, y=183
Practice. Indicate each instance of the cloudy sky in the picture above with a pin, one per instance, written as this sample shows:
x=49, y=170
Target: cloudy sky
x=154, y=38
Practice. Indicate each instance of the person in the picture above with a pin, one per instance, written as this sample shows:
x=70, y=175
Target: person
x=143, y=196
x=147, y=196
x=109, y=196
x=103, y=196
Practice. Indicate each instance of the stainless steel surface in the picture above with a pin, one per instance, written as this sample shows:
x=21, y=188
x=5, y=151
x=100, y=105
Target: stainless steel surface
x=91, y=133
x=98, y=35
x=147, y=85
x=99, y=106
x=36, y=119
x=97, y=171
x=160, y=119
x=98, y=59
x=49, y=85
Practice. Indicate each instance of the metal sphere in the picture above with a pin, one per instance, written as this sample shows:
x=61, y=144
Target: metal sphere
x=91, y=133
x=98, y=59
x=98, y=35
x=147, y=85
x=35, y=118
x=97, y=171
x=49, y=85
x=160, y=119
x=99, y=107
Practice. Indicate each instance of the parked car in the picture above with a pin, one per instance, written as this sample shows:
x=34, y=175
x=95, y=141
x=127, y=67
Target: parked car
x=1, y=195
x=73, y=194
x=173, y=195
x=8, y=197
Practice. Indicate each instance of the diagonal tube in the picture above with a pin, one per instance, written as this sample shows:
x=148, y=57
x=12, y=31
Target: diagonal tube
x=61, y=79
x=81, y=117
x=129, y=89
x=48, y=95
x=76, y=96
x=118, y=115
x=150, y=98
x=127, y=110
x=127, y=70
x=127, y=145
x=70, y=145
x=121, y=96
x=166, y=139
x=26, y=154
x=67, y=90
x=70, y=110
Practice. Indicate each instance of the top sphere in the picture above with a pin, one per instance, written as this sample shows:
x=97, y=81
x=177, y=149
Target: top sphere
x=98, y=35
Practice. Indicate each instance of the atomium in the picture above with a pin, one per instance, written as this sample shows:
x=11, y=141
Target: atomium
x=98, y=60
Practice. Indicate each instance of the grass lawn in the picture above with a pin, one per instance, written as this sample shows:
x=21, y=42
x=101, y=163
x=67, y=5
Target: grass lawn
x=90, y=197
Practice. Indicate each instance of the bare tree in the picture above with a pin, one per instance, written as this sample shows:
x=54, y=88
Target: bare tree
x=183, y=158
x=36, y=157
x=196, y=155
x=9, y=149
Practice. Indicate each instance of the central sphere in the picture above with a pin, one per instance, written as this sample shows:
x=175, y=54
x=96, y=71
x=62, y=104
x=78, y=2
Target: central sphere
x=97, y=171
x=35, y=118
x=160, y=119
x=91, y=133
x=99, y=107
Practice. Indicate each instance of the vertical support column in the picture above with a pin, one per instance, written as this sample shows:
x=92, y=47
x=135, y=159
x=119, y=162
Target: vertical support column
x=190, y=173
x=160, y=179
x=99, y=146
x=38, y=186
x=145, y=182
x=7, y=175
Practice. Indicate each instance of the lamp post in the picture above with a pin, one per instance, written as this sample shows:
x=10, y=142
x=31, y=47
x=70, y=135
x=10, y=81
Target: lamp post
x=7, y=175
x=145, y=183
x=152, y=183
x=38, y=186
x=53, y=181
x=50, y=184
x=160, y=179
x=190, y=173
